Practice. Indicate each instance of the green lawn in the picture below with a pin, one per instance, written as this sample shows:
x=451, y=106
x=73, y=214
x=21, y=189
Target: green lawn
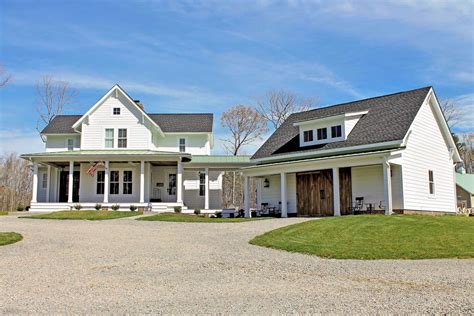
x=175, y=217
x=377, y=237
x=87, y=215
x=9, y=238
x=3, y=213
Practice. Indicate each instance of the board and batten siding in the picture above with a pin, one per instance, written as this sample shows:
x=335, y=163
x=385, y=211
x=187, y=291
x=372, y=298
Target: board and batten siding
x=427, y=150
x=131, y=118
x=272, y=195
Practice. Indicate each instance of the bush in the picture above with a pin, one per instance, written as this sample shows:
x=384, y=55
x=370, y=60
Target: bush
x=20, y=208
x=177, y=209
x=115, y=207
x=98, y=206
x=197, y=211
x=77, y=206
x=219, y=214
x=27, y=208
x=133, y=208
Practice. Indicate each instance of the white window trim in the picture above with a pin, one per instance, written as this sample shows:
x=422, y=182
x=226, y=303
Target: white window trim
x=185, y=143
x=312, y=136
x=431, y=195
x=330, y=132
x=126, y=138
x=116, y=107
x=67, y=144
x=113, y=137
x=44, y=180
x=123, y=182
x=97, y=182
x=110, y=182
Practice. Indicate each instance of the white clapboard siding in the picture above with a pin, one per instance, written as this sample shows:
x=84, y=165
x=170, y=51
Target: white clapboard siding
x=59, y=142
x=196, y=144
x=131, y=118
x=272, y=194
x=426, y=150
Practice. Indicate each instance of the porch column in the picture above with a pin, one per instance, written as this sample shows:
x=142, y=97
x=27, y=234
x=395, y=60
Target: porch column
x=34, y=196
x=284, y=206
x=246, y=197
x=71, y=181
x=142, y=181
x=387, y=186
x=106, y=182
x=206, y=191
x=48, y=181
x=179, y=184
x=336, y=193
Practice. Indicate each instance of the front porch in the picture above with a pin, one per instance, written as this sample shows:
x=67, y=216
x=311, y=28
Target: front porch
x=333, y=186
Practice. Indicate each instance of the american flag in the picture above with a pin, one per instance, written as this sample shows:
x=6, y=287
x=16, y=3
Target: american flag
x=93, y=168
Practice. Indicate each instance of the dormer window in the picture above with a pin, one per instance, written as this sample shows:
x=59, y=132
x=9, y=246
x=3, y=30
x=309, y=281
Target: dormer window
x=116, y=111
x=336, y=131
x=308, y=136
x=322, y=133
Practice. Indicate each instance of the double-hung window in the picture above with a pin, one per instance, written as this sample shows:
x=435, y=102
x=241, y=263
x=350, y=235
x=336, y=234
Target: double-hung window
x=114, y=182
x=109, y=138
x=308, y=136
x=127, y=182
x=202, y=184
x=431, y=182
x=70, y=144
x=182, y=145
x=44, y=182
x=122, y=138
x=322, y=133
x=100, y=182
x=336, y=131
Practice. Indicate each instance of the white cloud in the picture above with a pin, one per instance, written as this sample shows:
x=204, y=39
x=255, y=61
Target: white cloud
x=20, y=141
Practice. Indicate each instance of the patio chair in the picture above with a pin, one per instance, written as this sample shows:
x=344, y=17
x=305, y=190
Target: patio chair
x=357, y=207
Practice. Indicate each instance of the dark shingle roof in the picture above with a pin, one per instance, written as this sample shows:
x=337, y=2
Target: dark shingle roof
x=181, y=123
x=169, y=123
x=61, y=124
x=389, y=118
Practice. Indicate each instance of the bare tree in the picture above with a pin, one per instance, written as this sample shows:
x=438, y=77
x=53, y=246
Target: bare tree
x=15, y=182
x=246, y=126
x=451, y=111
x=4, y=77
x=277, y=105
x=466, y=151
x=51, y=98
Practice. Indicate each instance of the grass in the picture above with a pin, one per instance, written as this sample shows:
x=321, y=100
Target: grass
x=3, y=213
x=176, y=217
x=377, y=237
x=9, y=238
x=86, y=215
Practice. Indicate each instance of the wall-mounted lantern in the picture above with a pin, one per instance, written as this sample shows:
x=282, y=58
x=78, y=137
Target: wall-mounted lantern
x=266, y=183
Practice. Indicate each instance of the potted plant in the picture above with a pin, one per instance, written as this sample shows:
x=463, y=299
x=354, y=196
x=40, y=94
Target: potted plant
x=115, y=207
x=133, y=208
x=177, y=209
x=197, y=211
x=20, y=208
x=98, y=206
x=78, y=206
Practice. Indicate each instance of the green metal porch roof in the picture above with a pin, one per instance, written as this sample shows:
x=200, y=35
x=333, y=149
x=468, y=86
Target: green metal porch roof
x=220, y=159
x=75, y=153
x=465, y=181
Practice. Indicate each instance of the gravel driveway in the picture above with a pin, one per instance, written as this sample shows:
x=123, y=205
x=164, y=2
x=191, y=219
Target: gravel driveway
x=127, y=266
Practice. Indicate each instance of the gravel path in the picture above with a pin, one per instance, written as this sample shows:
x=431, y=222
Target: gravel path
x=127, y=266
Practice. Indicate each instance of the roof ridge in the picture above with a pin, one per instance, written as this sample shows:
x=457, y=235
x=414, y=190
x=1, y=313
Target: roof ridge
x=365, y=99
x=181, y=113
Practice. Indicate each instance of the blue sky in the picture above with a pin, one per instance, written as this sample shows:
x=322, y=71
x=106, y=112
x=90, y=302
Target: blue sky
x=208, y=56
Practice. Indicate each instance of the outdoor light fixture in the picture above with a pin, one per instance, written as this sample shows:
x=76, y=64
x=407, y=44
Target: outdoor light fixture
x=266, y=183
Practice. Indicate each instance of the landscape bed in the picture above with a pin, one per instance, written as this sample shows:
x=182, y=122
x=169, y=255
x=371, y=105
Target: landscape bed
x=176, y=217
x=7, y=238
x=377, y=237
x=83, y=215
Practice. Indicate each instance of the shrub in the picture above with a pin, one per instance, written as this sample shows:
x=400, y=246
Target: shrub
x=218, y=214
x=197, y=211
x=77, y=206
x=20, y=208
x=177, y=209
x=133, y=208
x=27, y=208
x=115, y=207
x=98, y=206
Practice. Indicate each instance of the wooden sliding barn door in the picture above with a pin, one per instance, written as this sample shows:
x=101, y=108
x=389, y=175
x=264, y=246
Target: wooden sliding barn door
x=345, y=190
x=314, y=193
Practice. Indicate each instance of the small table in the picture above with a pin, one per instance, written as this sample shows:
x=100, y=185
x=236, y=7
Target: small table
x=370, y=207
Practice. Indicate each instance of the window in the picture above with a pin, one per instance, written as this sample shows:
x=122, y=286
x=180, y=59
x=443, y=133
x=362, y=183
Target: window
x=114, y=182
x=44, y=181
x=109, y=138
x=431, y=181
x=322, y=133
x=336, y=131
x=100, y=182
x=172, y=184
x=122, y=138
x=127, y=182
x=308, y=136
x=182, y=145
x=202, y=184
x=70, y=144
x=116, y=111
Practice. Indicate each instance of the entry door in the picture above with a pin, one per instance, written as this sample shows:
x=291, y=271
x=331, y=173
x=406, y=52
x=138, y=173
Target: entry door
x=314, y=193
x=64, y=186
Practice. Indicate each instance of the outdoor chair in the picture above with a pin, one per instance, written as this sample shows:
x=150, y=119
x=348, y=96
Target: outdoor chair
x=358, y=205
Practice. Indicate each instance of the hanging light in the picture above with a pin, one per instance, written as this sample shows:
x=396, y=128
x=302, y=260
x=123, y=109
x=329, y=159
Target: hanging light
x=266, y=183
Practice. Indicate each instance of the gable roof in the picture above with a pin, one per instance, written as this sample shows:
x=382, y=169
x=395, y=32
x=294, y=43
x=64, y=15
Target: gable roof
x=388, y=119
x=184, y=122
x=465, y=181
x=61, y=124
